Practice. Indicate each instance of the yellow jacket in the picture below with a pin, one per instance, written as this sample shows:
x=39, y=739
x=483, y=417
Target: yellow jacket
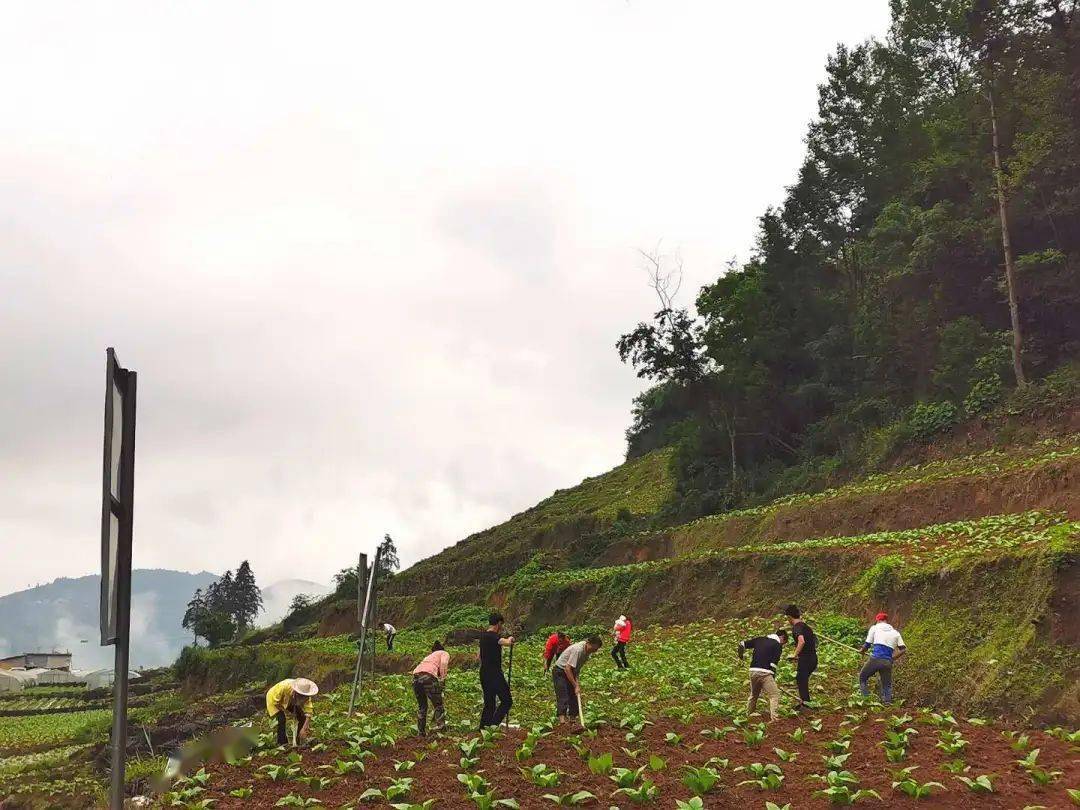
x=279, y=696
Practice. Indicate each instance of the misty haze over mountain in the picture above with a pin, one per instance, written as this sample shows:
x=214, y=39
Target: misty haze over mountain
x=63, y=615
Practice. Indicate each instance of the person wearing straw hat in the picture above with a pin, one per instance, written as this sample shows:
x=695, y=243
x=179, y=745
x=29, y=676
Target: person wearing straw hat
x=291, y=696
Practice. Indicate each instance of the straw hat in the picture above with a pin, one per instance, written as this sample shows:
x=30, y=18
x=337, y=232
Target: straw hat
x=302, y=686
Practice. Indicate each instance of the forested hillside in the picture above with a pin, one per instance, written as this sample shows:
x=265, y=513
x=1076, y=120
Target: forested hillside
x=925, y=260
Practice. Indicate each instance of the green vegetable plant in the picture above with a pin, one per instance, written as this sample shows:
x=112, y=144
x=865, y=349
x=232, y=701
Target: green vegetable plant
x=542, y=775
x=571, y=799
x=700, y=780
x=907, y=784
x=644, y=793
x=980, y=784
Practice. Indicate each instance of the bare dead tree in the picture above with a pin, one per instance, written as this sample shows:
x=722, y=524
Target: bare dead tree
x=665, y=275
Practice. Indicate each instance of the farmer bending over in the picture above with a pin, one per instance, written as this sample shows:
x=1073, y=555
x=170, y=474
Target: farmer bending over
x=763, y=662
x=553, y=648
x=885, y=645
x=427, y=683
x=390, y=631
x=567, y=676
x=292, y=695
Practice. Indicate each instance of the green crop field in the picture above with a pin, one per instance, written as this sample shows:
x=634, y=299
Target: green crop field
x=671, y=732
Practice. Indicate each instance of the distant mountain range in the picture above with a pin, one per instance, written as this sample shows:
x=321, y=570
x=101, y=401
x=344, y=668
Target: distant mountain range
x=63, y=615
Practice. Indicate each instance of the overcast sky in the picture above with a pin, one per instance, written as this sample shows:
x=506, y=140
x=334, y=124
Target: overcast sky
x=370, y=260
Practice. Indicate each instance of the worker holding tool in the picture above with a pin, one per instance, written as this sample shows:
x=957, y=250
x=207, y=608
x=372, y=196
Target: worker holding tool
x=620, y=633
x=804, y=655
x=566, y=677
x=553, y=648
x=764, y=659
x=291, y=696
x=497, y=699
x=428, y=680
x=885, y=645
x=390, y=631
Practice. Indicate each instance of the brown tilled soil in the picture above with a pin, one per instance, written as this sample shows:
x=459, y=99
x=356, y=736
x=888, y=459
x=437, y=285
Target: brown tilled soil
x=436, y=775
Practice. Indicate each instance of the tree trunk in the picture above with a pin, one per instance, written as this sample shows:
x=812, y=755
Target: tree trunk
x=1006, y=245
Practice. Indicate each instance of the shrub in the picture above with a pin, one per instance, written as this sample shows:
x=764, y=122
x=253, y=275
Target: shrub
x=930, y=418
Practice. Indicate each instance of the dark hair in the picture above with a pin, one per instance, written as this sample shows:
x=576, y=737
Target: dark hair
x=595, y=641
x=782, y=634
x=495, y=617
x=437, y=646
x=561, y=634
x=793, y=611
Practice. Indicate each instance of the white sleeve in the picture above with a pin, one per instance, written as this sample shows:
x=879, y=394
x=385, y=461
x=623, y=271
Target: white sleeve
x=900, y=640
x=870, y=636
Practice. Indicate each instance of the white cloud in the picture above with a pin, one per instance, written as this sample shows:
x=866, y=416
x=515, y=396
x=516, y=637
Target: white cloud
x=370, y=261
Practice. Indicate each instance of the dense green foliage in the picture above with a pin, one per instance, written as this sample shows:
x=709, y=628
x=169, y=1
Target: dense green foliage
x=228, y=606
x=875, y=299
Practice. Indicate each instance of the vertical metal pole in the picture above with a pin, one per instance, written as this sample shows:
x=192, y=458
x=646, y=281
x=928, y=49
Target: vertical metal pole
x=361, y=587
x=365, y=620
x=123, y=596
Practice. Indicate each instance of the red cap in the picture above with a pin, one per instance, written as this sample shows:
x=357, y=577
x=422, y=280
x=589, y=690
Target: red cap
x=881, y=617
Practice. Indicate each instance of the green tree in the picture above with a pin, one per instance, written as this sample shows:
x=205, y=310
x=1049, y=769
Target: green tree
x=246, y=600
x=388, y=560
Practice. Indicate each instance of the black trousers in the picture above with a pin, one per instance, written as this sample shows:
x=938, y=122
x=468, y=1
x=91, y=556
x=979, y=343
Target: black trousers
x=390, y=641
x=282, y=736
x=566, y=702
x=618, y=652
x=804, y=668
x=497, y=700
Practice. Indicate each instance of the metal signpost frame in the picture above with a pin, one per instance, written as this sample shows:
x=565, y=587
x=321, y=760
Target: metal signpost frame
x=361, y=587
x=117, y=512
x=367, y=614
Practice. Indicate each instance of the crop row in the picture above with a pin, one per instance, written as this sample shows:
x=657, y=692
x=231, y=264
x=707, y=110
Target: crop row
x=937, y=545
x=990, y=462
x=40, y=729
x=37, y=703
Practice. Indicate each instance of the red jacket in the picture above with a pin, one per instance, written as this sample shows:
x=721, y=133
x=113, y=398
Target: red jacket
x=623, y=633
x=555, y=646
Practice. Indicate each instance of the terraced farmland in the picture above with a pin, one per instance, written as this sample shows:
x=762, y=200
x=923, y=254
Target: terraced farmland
x=671, y=732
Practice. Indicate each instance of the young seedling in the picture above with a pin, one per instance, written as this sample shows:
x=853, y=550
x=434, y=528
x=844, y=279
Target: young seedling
x=693, y=804
x=753, y=736
x=764, y=777
x=601, y=765
x=785, y=756
x=241, y=793
x=426, y=805
x=657, y=763
x=571, y=799
x=294, y=800
x=399, y=788
x=624, y=777
x=910, y=786
x=980, y=784
x=542, y=775
x=700, y=780
x=844, y=796
x=643, y=794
